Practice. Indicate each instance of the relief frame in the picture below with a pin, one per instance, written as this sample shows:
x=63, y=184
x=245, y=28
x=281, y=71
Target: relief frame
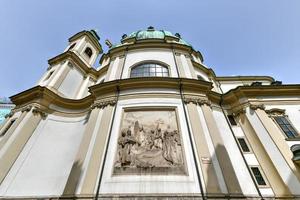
x=149, y=142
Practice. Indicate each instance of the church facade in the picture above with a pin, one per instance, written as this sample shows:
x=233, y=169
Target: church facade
x=152, y=122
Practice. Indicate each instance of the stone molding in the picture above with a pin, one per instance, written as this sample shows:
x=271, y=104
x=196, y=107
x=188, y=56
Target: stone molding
x=275, y=112
x=196, y=100
x=239, y=111
x=26, y=108
x=38, y=111
x=12, y=112
x=104, y=102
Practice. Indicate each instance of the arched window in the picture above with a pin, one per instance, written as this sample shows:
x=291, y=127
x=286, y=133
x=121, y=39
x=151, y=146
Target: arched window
x=149, y=70
x=88, y=51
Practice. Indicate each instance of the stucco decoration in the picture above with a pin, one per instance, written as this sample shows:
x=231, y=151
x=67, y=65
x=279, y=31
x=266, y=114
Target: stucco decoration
x=149, y=142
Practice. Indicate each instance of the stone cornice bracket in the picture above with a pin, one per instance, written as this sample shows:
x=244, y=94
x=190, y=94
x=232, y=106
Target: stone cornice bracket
x=239, y=111
x=70, y=64
x=12, y=112
x=26, y=108
x=196, y=100
x=257, y=106
x=38, y=111
x=104, y=102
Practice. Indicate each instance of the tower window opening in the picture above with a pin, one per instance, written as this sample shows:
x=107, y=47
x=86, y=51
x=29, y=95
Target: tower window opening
x=149, y=70
x=72, y=46
x=49, y=75
x=88, y=51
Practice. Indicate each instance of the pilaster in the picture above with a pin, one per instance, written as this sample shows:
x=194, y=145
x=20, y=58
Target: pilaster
x=95, y=163
x=13, y=147
x=268, y=166
x=221, y=153
x=205, y=160
x=77, y=168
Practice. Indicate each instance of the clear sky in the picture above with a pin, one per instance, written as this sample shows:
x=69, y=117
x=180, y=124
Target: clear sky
x=236, y=37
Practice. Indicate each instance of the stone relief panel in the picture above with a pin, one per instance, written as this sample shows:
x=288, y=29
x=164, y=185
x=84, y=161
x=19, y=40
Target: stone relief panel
x=149, y=142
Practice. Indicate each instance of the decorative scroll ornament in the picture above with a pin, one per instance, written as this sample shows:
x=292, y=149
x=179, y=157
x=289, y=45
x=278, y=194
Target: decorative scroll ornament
x=275, y=112
x=38, y=111
x=12, y=112
x=26, y=108
x=196, y=100
x=104, y=102
x=239, y=111
x=257, y=106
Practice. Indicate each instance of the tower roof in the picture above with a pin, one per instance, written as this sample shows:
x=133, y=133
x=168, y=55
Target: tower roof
x=151, y=33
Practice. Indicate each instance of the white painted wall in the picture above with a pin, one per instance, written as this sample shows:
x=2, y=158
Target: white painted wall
x=228, y=85
x=185, y=66
x=163, y=55
x=149, y=183
x=44, y=165
x=201, y=73
x=71, y=83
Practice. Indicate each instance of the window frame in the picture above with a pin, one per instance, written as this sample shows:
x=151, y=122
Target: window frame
x=294, y=130
x=153, y=63
x=231, y=116
x=276, y=112
x=262, y=175
x=247, y=143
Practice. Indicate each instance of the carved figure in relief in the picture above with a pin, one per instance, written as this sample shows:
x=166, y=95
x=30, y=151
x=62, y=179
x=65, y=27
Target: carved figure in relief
x=149, y=142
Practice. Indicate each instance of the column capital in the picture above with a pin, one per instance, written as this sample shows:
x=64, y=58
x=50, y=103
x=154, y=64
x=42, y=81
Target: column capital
x=196, y=100
x=257, y=106
x=238, y=111
x=104, y=102
x=39, y=111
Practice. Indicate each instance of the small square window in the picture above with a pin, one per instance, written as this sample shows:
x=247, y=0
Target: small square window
x=258, y=176
x=232, y=120
x=243, y=145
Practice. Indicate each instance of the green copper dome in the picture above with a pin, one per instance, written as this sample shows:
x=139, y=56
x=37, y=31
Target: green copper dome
x=151, y=33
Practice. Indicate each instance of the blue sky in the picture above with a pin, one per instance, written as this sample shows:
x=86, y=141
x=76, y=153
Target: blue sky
x=257, y=37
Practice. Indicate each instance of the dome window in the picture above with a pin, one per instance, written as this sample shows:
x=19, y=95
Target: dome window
x=88, y=51
x=149, y=70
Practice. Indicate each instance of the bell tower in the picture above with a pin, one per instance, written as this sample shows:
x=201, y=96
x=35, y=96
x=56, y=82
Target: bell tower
x=71, y=73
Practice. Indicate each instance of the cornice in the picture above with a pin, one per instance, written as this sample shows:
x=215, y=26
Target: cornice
x=187, y=85
x=194, y=91
x=244, y=78
x=43, y=97
x=240, y=92
x=73, y=57
x=90, y=36
x=152, y=43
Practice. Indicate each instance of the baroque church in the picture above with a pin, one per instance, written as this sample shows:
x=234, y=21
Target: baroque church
x=151, y=122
